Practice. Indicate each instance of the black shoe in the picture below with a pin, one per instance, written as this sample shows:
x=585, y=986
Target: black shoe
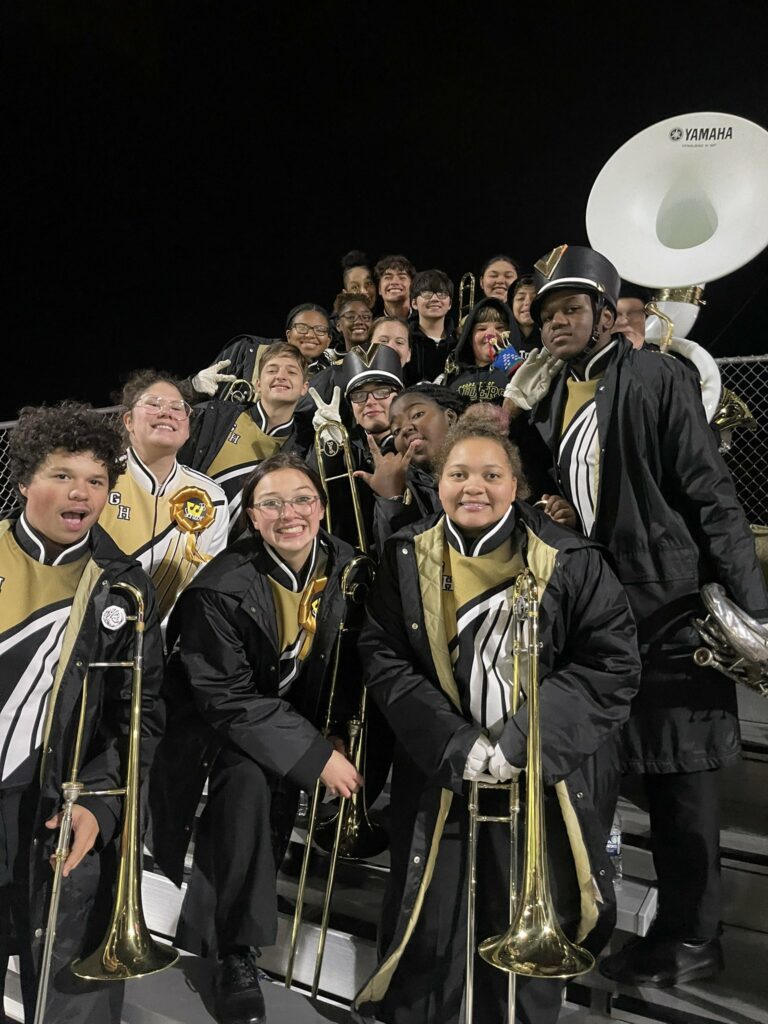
x=238, y=995
x=654, y=960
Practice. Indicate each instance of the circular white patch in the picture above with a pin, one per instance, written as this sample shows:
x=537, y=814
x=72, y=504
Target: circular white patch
x=113, y=617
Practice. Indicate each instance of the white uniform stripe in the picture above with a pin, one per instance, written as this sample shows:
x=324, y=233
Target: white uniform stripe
x=578, y=449
x=20, y=716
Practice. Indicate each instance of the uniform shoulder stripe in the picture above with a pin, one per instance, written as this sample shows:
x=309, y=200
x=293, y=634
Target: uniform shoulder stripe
x=217, y=494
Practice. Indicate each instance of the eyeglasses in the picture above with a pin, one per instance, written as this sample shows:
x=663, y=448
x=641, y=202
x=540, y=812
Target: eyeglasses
x=366, y=318
x=272, y=508
x=302, y=329
x=361, y=396
x=176, y=407
x=437, y=295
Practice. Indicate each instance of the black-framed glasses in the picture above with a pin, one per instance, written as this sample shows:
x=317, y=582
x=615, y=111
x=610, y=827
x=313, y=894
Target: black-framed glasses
x=428, y=295
x=302, y=329
x=155, y=404
x=366, y=318
x=272, y=508
x=360, y=396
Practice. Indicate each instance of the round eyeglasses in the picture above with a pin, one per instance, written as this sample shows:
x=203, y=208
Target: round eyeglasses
x=177, y=408
x=272, y=508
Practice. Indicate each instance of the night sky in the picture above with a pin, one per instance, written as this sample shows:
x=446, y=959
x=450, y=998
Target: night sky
x=178, y=173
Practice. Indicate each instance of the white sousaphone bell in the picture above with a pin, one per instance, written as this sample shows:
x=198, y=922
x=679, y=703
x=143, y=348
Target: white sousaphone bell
x=680, y=204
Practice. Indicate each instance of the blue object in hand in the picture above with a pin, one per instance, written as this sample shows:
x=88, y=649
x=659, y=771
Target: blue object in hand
x=508, y=359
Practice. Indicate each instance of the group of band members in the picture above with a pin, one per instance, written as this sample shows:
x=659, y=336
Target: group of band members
x=540, y=433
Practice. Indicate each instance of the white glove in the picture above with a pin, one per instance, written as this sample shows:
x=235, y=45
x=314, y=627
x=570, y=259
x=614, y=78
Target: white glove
x=477, y=759
x=207, y=381
x=500, y=768
x=532, y=381
x=327, y=418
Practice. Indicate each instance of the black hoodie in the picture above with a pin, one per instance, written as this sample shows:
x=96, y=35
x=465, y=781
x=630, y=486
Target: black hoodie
x=479, y=383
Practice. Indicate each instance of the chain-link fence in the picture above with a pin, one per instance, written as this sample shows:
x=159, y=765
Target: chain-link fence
x=747, y=458
x=9, y=496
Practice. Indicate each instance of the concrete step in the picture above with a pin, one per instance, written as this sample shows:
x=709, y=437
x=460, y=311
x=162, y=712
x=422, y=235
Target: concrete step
x=737, y=996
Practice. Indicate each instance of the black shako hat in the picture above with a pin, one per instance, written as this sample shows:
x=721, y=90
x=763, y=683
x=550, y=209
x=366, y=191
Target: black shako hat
x=375, y=363
x=578, y=269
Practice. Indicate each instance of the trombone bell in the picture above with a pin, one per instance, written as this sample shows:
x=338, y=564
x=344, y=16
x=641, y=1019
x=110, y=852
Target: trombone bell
x=535, y=946
x=127, y=952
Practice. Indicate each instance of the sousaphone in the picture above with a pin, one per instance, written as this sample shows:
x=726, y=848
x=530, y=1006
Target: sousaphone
x=683, y=203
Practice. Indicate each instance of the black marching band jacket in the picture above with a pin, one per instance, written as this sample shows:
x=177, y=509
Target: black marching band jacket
x=228, y=689
x=668, y=514
x=88, y=639
x=589, y=674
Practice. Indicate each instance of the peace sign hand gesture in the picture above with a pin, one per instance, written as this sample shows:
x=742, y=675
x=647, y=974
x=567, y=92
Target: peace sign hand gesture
x=388, y=476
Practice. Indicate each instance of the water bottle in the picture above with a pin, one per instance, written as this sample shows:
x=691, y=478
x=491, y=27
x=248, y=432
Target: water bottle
x=613, y=848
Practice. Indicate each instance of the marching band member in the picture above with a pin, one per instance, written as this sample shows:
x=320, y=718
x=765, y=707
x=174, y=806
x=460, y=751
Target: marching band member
x=357, y=276
x=471, y=370
x=521, y=295
x=57, y=615
x=419, y=419
x=371, y=379
x=172, y=519
x=306, y=327
x=436, y=651
x=630, y=313
x=626, y=433
x=396, y=334
x=434, y=334
x=257, y=630
x=497, y=275
x=353, y=319
x=393, y=276
x=230, y=438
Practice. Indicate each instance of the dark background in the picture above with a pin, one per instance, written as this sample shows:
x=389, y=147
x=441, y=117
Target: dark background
x=176, y=173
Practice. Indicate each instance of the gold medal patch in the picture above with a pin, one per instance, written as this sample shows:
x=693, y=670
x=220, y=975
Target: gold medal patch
x=193, y=511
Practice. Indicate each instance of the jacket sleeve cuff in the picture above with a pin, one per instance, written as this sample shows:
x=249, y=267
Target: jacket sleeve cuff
x=451, y=774
x=514, y=744
x=307, y=769
x=107, y=814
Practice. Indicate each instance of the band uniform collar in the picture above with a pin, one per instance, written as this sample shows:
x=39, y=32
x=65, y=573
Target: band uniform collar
x=32, y=543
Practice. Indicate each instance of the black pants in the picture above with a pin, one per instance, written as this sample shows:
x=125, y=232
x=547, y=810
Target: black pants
x=84, y=911
x=428, y=984
x=685, y=840
x=241, y=838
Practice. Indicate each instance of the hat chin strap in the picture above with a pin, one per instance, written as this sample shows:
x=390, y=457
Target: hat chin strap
x=598, y=305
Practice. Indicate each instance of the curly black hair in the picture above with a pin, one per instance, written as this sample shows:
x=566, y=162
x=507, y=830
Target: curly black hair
x=441, y=396
x=69, y=426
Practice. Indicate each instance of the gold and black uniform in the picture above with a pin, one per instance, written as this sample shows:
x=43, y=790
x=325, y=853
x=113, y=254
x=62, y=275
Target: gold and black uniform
x=579, y=449
x=172, y=527
x=249, y=442
x=297, y=598
x=478, y=580
x=36, y=597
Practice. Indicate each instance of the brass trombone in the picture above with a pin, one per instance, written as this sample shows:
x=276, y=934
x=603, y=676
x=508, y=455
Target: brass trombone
x=328, y=447
x=354, y=835
x=466, y=296
x=534, y=944
x=127, y=950
x=240, y=390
